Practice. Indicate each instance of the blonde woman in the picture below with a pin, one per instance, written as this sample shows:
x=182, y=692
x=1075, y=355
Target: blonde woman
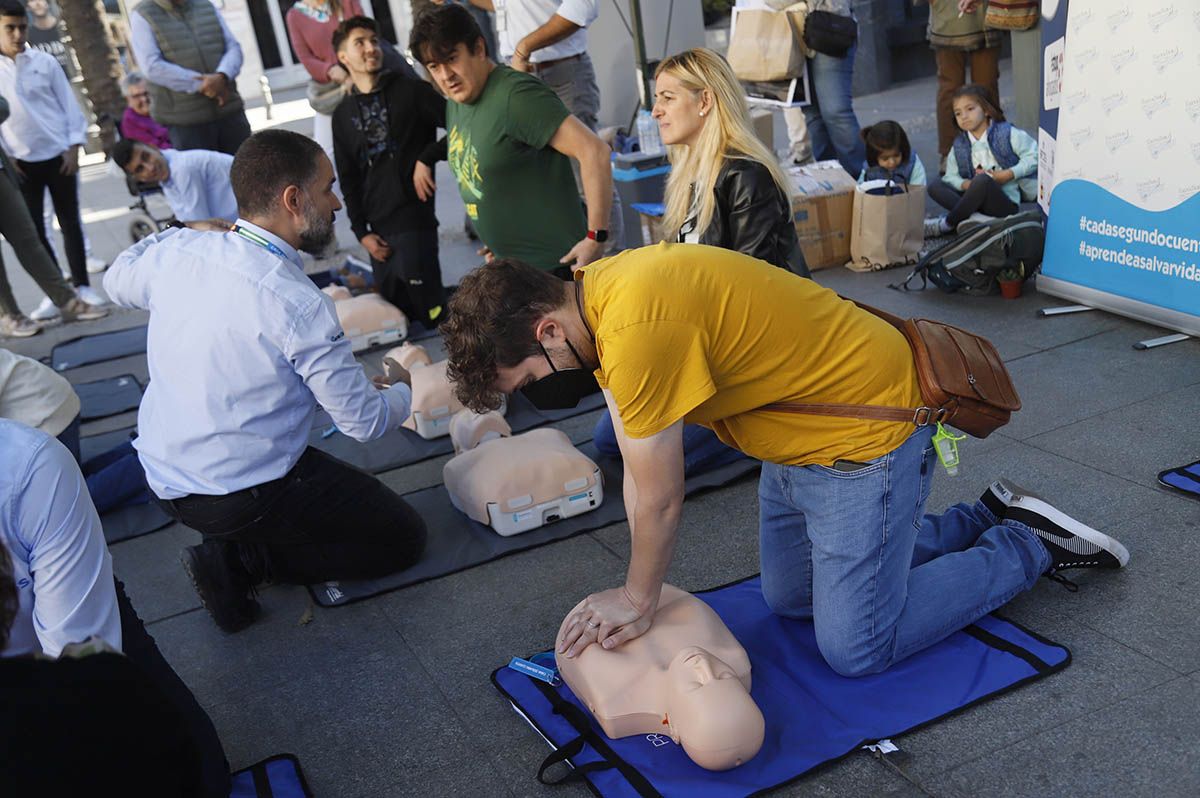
x=725, y=188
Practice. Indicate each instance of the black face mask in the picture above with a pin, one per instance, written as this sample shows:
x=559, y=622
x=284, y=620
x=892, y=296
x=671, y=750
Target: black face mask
x=563, y=389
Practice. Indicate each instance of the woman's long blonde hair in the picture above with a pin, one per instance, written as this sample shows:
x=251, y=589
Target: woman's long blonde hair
x=728, y=134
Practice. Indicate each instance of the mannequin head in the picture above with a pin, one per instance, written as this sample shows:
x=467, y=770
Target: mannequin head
x=709, y=711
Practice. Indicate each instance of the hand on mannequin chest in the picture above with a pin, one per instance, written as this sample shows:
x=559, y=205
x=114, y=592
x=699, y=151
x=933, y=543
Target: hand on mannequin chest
x=687, y=677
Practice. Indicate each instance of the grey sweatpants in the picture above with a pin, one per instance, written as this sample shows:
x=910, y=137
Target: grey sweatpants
x=18, y=228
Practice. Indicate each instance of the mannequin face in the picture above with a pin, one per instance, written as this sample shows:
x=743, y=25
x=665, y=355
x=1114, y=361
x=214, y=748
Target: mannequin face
x=681, y=112
x=710, y=712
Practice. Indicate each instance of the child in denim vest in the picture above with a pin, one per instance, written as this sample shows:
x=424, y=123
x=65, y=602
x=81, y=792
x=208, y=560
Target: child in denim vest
x=990, y=168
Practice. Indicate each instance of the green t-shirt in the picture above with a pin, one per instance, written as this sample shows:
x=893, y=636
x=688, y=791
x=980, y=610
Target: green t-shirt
x=519, y=192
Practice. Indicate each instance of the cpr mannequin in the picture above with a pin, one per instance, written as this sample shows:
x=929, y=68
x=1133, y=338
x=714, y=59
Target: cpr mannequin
x=515, y=484
x=686, y=677
x=468, y=430
x=433, y=399
x=368, y=320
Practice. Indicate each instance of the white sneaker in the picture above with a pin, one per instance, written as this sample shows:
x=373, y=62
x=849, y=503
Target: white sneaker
x=89, y=295
x=935, y=227
x=45, y=311
x=95, y=265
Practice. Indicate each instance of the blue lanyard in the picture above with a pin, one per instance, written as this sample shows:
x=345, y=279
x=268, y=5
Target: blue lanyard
x=255, y=238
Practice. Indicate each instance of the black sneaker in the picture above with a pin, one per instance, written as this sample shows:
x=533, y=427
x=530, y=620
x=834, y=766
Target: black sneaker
x=1071, y=544
x=1001, y=494
x=222, y=584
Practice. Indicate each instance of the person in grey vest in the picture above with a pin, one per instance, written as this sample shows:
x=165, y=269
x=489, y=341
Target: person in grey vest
x=191, y=61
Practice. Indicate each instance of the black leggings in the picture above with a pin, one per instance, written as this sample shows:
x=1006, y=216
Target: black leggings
x=64, y=193
x=984, y=195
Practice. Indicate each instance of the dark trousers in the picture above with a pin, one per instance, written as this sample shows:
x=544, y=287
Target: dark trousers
x=139, y=646
x=19, y=229
x=984, y=195
x=951, y=75
x=64, y=193
x=411, y=279
x=224, y=135
x=323, y=520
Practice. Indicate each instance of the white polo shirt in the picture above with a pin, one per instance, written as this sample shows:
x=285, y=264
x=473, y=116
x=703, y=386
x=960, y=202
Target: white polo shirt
x=516, y=19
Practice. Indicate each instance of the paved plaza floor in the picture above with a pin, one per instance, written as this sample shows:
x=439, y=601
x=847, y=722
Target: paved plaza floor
x=391, y=696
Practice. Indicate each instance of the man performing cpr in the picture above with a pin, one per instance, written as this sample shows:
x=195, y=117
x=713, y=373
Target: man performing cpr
x=680, y=333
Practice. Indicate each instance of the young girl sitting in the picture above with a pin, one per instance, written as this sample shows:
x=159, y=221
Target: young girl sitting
x=990, y=167
x=890, y=156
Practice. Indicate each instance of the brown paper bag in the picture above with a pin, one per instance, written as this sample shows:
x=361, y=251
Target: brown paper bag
x=767, y=45
x=886, y=229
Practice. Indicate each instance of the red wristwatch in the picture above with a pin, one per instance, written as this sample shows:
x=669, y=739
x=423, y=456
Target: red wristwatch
x=598, y=235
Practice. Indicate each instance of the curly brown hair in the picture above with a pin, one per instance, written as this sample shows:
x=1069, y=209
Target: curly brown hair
x=492, y=316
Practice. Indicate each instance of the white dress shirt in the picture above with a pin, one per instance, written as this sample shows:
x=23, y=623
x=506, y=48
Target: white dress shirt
x=61, y=564
x=162, y=72
x=44, y=118
x=516, y=19
x=242, y=348
x=199, y=186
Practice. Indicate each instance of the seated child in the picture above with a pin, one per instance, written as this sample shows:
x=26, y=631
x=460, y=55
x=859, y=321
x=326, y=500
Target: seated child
x=992, y=166
x=890, y=156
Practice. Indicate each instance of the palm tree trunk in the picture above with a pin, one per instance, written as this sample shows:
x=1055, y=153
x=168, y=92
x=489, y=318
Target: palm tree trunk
x=93, y=44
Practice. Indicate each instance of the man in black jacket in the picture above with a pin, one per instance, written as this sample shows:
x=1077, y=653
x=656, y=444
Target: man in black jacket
x=385, y=144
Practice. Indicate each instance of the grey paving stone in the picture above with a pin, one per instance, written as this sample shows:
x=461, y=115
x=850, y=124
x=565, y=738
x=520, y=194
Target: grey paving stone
x=1077, y=381
x=1142, y=746
x=153, y=576
x=1135, y=442
x=1102, y=672
x=1151, y=606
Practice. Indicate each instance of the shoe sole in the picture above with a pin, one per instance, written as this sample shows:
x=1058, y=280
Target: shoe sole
x=22, y=333
x=1076, y=528
x=186, y=558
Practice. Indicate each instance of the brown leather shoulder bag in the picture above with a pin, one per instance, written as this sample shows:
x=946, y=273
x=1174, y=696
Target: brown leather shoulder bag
x=963, y=382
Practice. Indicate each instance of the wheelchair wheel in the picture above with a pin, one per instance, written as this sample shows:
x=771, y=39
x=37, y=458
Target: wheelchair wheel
x=141, y=227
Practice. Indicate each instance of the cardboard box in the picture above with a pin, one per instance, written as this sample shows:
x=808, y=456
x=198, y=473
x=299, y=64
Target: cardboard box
x=822, y=208
x=763, y=120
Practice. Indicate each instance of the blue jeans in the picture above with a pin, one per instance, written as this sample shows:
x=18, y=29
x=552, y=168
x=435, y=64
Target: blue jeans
x=702, y=450
x=832, y=126
x=115, y=479
x=881, y=580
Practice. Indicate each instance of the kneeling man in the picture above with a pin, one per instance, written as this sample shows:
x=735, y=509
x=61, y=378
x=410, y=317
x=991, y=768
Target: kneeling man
x=680, y=334
x=242, y=349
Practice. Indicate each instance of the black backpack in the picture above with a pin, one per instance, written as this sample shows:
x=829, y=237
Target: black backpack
x=972, y=260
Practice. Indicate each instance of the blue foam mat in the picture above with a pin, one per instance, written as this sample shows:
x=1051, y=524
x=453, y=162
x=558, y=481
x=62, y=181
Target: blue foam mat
x=813, y=716
x=1184, y=479
x=108, y=397
x=90, y=349
x=278, y=776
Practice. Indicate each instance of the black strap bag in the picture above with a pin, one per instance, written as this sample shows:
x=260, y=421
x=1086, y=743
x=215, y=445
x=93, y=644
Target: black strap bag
x=829, y=33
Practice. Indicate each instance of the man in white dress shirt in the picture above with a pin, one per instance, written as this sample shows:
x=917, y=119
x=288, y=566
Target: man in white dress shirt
x=42, y=137
x=64, y=581
x=195, y=183
x=242, y=351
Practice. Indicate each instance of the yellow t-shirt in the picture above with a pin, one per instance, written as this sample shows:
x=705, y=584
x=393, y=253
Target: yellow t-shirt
x=708, y=335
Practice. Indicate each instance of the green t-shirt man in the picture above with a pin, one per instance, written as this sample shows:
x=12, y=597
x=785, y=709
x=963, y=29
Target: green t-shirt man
x=520, y=193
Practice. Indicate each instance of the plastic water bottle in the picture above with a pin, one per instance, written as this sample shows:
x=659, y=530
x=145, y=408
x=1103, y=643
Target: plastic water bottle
x=648, y=138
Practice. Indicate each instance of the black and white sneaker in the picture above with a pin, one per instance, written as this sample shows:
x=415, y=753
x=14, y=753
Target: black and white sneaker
x=1000, y=495
x=1071, y=543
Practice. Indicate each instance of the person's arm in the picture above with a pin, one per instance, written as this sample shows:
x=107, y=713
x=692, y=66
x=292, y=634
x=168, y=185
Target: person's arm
x=350, y=171
x=318, y=69
x=431, y=107
x=77, y=123
x=653, y=505
x=127, y=280
x=919, y=178
x=1026, y=150
x=230, y=64
x=950, y=176
x=574, y=140
x=321, y=354
x=74, y=593
x=155, y=67
x=753, y=203
x=572, y=15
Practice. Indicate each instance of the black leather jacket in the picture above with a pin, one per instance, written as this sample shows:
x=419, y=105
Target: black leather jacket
x=753, y=216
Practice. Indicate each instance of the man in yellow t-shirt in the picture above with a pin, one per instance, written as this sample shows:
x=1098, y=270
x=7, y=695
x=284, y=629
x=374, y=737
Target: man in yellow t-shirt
x=681, y=333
